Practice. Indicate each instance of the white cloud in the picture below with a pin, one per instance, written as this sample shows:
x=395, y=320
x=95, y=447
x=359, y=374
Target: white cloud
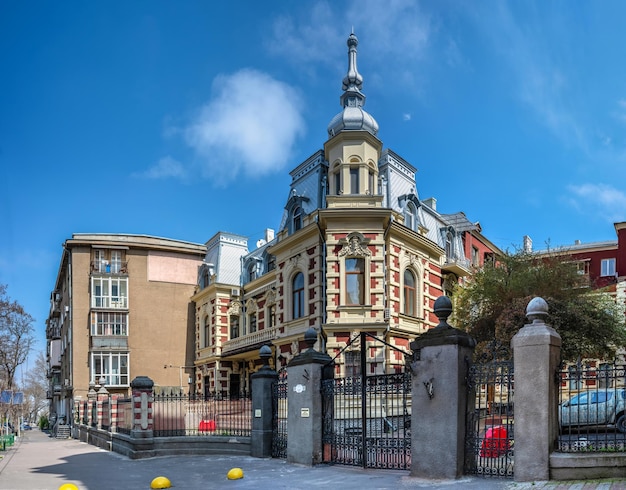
x=167, y=167
x=599, y=199
x=250, y=125
x=406, y=117
x=395, y=32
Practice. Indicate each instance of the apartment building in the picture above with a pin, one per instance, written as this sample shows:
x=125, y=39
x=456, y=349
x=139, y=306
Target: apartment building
x=121, y=308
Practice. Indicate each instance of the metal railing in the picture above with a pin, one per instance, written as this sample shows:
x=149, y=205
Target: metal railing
x=592, y=402
x=216, y=414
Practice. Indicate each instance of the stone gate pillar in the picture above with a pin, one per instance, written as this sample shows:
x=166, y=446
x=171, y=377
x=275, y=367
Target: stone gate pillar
x=442, y=357
x=536, y=355
x=262, y=405
x=304, y=417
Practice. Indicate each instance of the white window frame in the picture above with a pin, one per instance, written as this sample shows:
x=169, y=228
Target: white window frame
x=109, y=292
x=607, y=267
x=109, y=324
x=106, y=362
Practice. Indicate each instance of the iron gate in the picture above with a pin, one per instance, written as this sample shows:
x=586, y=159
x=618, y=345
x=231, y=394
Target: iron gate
x=489, y=433
x=366, y=419
x=279, y=416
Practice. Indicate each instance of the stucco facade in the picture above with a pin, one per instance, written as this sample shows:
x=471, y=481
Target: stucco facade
x=121, y=308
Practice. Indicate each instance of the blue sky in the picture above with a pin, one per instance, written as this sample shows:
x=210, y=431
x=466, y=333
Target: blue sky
x=179, y=119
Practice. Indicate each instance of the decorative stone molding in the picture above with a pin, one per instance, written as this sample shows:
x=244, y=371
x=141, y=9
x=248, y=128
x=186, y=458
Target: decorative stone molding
x=354, y=245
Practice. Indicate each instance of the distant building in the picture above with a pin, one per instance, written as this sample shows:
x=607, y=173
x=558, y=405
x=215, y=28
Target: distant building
x=120, y=308
x=356, y=250
x=602, y=264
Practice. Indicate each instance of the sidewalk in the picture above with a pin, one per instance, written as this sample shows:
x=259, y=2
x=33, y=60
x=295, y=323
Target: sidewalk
x=38, y=462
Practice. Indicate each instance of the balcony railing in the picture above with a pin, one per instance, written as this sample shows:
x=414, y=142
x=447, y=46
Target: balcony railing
x=109, y=342
x=459, y=266
x=118, y=302
x=99, y=267
x=249, y=340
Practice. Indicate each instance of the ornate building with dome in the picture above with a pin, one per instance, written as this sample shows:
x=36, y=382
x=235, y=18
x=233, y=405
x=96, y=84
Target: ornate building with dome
x=357, y=250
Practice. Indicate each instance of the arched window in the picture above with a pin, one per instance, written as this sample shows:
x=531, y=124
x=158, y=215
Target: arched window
x=252, y=271
x=298, y=296
x=449, y=245
x=297, y=218
x=409, y=297
x=355, y=281
x=207, y=332
x=410, y=216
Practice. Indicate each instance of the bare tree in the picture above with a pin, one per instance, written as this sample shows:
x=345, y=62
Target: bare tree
x=16, y=337
x=35, y=385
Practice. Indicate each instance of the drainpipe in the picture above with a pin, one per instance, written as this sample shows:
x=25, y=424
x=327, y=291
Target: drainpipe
x=323, y=334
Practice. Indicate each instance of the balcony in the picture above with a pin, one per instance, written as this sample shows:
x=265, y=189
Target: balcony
x=99, y=267
x=249, y=341
x=458, y=266
x=54, y=330
x=109, y=343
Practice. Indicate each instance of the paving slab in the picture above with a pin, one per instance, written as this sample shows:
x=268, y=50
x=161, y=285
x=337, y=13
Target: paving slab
x=38, y=462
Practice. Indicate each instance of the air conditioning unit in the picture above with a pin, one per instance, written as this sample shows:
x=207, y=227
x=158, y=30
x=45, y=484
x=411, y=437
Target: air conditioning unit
x=66, y=382
x=234, y=292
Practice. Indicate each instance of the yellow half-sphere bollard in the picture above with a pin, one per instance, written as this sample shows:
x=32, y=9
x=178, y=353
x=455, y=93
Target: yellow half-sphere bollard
x=235, y=474
x=68, y=486
x=160, y=482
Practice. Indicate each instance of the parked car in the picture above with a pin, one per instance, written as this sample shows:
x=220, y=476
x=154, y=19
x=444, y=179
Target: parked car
x=603, y=407
x=26, y=426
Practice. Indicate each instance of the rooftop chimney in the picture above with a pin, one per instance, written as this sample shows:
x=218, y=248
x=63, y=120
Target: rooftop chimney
x=528, y=244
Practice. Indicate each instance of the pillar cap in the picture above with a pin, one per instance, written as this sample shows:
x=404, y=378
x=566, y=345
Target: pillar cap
x=537, y=310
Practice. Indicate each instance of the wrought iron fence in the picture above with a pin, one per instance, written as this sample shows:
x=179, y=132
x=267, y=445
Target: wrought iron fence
x=490, y=426
x=592, y=399
x=367, y=421
x=279, y=420
x=124, y=415
x=216, y=414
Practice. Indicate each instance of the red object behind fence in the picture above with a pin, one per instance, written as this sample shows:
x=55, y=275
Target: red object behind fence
x=207, y=426
x=495, y=443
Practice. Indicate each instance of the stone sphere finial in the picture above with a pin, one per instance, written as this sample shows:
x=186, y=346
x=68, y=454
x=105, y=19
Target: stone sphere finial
x=537, y=310
x=265, y=352
x=443, y=309
x=310, y=337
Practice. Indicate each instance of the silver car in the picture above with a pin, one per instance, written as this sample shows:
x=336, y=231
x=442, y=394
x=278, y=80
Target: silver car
x=595, y=407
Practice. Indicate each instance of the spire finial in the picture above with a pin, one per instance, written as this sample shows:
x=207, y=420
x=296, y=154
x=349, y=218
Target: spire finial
x=353, y=81
x=353, y=116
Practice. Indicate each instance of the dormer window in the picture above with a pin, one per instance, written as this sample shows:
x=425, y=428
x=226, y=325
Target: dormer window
x=297, y=218
x=252, y=272
x=410, y=216
x=271, y=263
